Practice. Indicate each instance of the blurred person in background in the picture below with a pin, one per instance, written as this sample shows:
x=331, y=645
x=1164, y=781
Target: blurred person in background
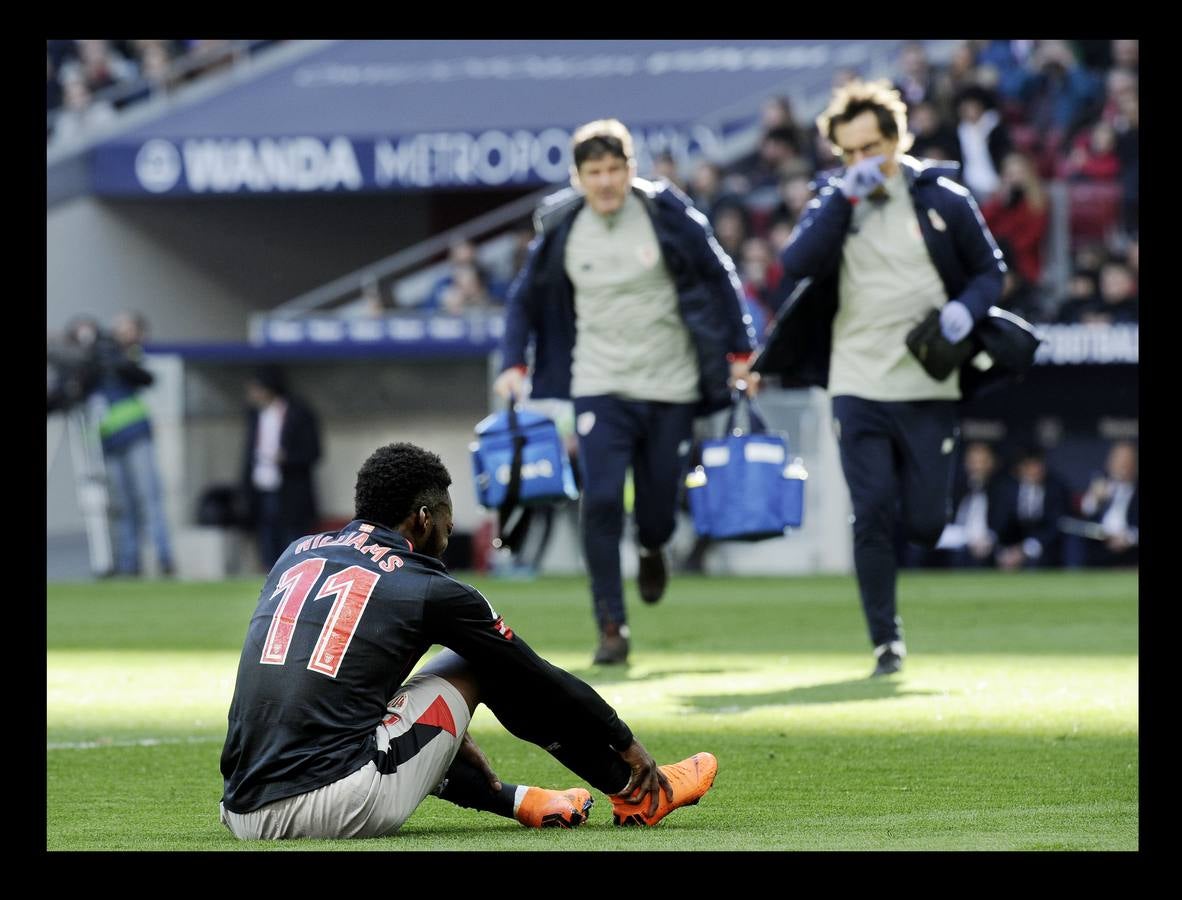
x=706, y=189
x=888, y=240
x=1059, y=94
x=971, y=537
x=137, y=500
x=759, y=272
x=468, y=292
x=282, y=446
x=1031, y=505
x=1118, y=296
x=983, y=141
x=1093, y=155
x=934, y=138
x=731, y=226
x=637, y=314
x=665, y=166
x=1112, y=504
x=1019, y=214
x=1083, y=293
x=916, y=81
x=81, y=114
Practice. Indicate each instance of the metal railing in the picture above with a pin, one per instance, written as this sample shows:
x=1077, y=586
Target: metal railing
x=349, y=286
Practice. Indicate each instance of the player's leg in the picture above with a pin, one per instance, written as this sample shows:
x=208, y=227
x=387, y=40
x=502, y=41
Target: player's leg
x=927, y=434
x=142, y=462
x=121, y=486
x=863, y=431
x=607, y=429
x=414, y=745
x=466, y=784
x=658, y=469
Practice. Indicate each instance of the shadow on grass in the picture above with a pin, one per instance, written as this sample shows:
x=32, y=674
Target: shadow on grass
x=616, y=674
x=834, y=692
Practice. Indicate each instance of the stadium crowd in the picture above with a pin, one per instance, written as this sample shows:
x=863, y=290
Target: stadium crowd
x=88, y=82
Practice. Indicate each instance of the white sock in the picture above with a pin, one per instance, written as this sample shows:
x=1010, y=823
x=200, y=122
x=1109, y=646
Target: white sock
x=518, y=796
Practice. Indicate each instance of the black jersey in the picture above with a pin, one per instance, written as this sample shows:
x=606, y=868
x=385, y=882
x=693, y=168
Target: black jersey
x=341, y=621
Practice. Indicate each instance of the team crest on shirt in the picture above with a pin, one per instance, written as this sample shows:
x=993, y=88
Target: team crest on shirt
x=505, y=630
x=937, y=221
x=648, y=255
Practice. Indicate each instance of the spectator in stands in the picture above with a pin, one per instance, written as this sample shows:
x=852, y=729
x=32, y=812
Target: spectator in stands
x=665, y=166
x=1018, y=213
x=1128, y=151
x=468, y=292
x=934, y=138
x=916, y=82
x=637, y=316
x=282, y=446
x=1093, y=155
x=372, y=302
x=960, y=73
x=779, y=157
x=461, y=256
x=731, y=227
x=1111, y=502
x=983, y=141
x=101, y=67
x=795, y=194
x=779, y=235
x=82, y=114
x=1031, y=505
x=759, y=273
x=705, y=187
x=1083, y=293
x=1059, y=94
x=1118, y=296
x=1126, y=54
x=972, y=535
x=136, y=497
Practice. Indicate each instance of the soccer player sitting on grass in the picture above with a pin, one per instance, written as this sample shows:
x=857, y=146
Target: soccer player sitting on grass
x=329, y=739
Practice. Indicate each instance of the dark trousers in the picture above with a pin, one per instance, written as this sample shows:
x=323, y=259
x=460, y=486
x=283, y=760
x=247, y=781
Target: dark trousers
x=898, y=459
x=275, y=530
x=654, y=439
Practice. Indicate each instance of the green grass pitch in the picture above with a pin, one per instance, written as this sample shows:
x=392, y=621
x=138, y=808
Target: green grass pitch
x=1014, y=725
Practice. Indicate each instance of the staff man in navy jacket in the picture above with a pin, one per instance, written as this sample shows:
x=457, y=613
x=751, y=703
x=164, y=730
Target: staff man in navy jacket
x=636, y=314
x=885, y=241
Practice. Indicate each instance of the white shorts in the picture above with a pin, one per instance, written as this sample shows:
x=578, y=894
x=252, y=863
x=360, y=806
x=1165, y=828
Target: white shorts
x=368, y=803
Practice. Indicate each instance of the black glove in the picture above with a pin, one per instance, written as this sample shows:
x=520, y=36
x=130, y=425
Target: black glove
x=935, y=353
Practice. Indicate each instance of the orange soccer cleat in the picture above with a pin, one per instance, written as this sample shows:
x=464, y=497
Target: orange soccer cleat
x=540, y=808
x=690, y=779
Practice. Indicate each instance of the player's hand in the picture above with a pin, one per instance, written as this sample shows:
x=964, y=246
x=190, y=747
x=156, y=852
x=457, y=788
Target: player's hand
x=955, y=321
x=647, y=779
x=743, y=379
x=510, y=384
x=863, y=178
x=471, y=752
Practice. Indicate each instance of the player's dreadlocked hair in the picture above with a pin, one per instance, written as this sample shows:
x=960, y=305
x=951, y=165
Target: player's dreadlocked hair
x=396, y=480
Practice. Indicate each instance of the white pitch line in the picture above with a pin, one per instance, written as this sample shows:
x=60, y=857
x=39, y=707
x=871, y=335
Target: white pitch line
x=142, y=742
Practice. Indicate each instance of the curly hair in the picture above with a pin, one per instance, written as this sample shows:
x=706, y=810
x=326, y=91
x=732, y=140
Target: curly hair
x=603, y=137
x=396, y=480
x=879, y=97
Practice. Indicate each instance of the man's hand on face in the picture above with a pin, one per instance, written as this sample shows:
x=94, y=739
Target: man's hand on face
x=863, y=178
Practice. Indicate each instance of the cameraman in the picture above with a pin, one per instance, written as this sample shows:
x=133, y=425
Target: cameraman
x=103, y=370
